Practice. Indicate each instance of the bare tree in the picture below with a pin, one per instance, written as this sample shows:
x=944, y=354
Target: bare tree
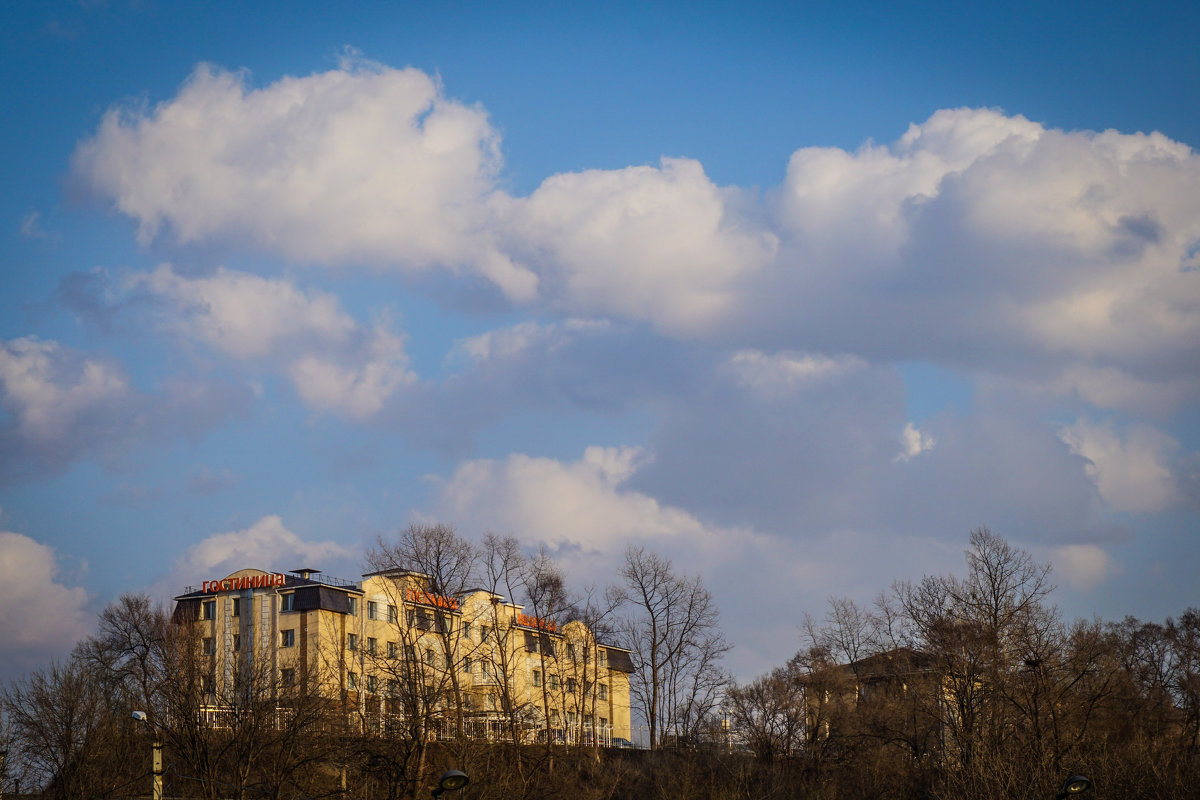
x=979, y=631
x=673, y=632
x=503, y=567
x=421, y=679
x=63, y=738
x=771, y=713
x=593, y=610
x=129, y=650
x=546, y=597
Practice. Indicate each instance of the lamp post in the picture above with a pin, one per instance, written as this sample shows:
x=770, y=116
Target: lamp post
x=156, y=762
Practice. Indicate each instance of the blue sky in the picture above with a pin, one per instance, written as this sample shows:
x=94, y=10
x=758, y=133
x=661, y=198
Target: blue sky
x=795, y=294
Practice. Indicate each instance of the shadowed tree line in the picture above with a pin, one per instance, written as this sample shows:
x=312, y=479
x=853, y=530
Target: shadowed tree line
x=949, y=687
x=963, y=687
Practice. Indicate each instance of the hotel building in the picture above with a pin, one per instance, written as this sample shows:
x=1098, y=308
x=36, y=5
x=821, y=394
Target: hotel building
x=387, y=648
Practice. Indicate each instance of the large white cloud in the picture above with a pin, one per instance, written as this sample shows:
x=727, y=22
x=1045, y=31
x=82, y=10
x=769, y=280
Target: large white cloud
x=359, y=164
x=44, y=616
x=662, y=244
x=578, y=504
x=1134, y=469
x=975, y=238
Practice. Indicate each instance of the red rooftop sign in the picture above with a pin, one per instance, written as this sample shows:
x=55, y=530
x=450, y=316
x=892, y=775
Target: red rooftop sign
x=431, y=599
x=263, y=581
x=530, y=621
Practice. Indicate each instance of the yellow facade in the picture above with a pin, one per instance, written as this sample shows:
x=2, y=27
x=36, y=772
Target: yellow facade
x=390, y=650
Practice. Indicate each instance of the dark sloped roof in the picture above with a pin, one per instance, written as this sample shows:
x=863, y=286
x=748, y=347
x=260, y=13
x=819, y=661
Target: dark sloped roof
x=619, y=660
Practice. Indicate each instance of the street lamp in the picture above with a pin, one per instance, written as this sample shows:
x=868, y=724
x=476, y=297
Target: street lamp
x=140, y=716
x=451, y=781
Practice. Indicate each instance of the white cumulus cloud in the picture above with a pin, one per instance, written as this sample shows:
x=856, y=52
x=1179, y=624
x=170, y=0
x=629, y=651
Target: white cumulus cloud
x=581, y=503
x=44, y=616
x=362, y=163
x=242, y=314
x=976, y=237
x=267, y=544
x=1131, y=468
x=662, y=244
x=913, y=442
x=335, y=364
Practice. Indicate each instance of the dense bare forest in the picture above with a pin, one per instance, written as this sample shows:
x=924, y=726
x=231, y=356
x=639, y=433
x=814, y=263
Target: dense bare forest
x=967, y=686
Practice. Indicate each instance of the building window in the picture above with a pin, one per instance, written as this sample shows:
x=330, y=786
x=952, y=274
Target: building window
x=288, y=638
x=604, y=723
x=352, y=641
x=372, y=609
x=410, y=653
x=287, y=676
x=428, y=658
x=537, y=677
x=352, y=681
x=604, y=658
x=237, y=606
x=208, y=684
x=210, y=646
x=286, y=600
x=491, y=702
x=237, y=643
x=466, y=630
x=393, y=649
x=484, y=633
x=208, y=609
x=553, y=681
x=372, y=683
x=392, y=614
x=393, y=687
x=372, y=645
x=353, y=606
x=570, y=686
x=603, y=692
x=467, y=665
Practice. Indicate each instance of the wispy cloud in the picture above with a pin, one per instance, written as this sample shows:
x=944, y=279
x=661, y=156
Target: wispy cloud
x=63, y=405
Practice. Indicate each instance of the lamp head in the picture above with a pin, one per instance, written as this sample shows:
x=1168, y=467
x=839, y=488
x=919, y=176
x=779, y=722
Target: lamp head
x=140, y=716
x=1076, y=784
x=451, y=781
